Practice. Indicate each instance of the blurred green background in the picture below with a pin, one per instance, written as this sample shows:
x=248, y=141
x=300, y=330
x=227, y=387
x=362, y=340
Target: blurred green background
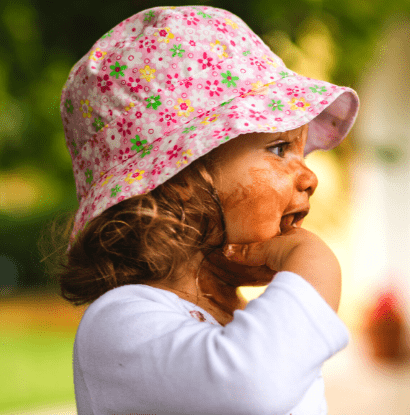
x=39, y=43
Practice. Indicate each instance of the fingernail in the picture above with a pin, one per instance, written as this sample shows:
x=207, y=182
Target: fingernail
x=229, y=251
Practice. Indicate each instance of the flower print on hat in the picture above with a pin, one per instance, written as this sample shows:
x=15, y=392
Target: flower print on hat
x=168, y=85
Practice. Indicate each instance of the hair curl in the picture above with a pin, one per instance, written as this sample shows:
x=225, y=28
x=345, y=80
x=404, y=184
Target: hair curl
x=145, y=238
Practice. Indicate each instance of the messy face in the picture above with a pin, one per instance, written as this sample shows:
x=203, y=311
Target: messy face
x=264, y=184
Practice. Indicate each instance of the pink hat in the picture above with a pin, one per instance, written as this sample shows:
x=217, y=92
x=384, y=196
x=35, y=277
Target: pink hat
x=168, y=85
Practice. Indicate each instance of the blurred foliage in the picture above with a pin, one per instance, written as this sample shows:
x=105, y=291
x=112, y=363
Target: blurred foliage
x=42, y=40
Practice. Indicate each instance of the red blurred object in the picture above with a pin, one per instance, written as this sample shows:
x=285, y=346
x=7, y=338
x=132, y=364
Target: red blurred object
x=385, y=328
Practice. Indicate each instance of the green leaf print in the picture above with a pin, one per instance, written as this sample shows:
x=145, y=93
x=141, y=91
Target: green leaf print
x=188, y=129
x=138, y=144
x=229, y=79
x=74, y=146
x=284, y=74
x=247, y=52
x=98, y=124
x=146, y=150
x=224, y=140
x=205, y=16
x=108, y=34
x=89, y=176
x=69, y=106
x=149, y=16
x=117, y=69
x=277, y=105
x=115, y=190
x=318, y=89
x=153, y=102
x=177, y=50
x=227, y=102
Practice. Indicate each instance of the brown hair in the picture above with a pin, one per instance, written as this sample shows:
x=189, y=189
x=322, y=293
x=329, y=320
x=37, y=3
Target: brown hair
x=142, y=239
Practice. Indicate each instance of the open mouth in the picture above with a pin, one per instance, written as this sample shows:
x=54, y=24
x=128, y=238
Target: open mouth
x=292, y=220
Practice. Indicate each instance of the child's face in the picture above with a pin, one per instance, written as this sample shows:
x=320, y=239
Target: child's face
x=260, y=183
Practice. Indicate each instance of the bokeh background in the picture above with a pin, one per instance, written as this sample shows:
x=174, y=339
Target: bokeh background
x=360, y=208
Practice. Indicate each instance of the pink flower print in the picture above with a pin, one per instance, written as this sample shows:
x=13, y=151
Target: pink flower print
x=172, y=81
x=97, y=161
x=84, y=214
x=192, y=43
x=134, y=85
x=234, y=114
x=104, y=83
x=206, y=61
x=125, y=155
x=126, y=171
x=295, y=91
x=124, y=129
x=259, y=64
x=158, y=168
x=168, y=117
x=187, y=82
x=93, y=141
x=190, y=19
x=147, y=44
x=222, y=133
x=221, y=26
x=138, y=115
x=216, y=66
x=120, y=199
x=105, y=151
x=213, y=88
x=324, y=102
x=278, y=119
x=256, y=114
x=174, y=152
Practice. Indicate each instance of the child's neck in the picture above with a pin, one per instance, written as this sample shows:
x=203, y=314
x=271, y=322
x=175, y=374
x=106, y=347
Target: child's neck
x=213, y=294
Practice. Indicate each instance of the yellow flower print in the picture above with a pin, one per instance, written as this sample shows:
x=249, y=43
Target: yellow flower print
x=136, y=175
x=184, y=107
x=219, y=49
x=269, y=61
x=97, y=55
x=131, y=105
x=85, y=108
x=106, y=181
x=299, y=104
x=164, y=35
x=210, y=119
x=101, y=175
x=259, y=88
x=231, y=23
x=148, y=73
x=185, y=155
x=267, y=127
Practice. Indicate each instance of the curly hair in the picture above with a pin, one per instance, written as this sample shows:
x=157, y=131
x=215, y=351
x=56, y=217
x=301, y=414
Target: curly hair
x=145, y=238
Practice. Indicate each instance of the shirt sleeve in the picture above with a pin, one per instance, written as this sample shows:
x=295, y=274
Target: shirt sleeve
x=140, y=354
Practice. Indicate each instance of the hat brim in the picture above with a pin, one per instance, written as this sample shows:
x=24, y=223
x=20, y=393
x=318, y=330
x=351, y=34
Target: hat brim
x=331, y=113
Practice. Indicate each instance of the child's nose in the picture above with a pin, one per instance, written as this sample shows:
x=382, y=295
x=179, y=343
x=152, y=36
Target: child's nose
x=307, y=181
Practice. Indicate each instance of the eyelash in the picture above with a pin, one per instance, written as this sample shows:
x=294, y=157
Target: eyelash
x=284, y=144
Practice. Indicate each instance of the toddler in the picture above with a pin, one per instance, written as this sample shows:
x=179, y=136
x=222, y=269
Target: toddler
x=188, y=138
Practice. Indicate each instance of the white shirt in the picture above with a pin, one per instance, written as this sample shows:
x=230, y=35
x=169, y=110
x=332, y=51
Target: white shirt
x=144, y=350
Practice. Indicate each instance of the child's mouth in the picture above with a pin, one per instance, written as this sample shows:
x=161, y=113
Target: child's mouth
x=292, y=220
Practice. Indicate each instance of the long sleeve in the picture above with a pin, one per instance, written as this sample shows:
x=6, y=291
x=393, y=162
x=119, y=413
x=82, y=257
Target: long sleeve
x=137, y=352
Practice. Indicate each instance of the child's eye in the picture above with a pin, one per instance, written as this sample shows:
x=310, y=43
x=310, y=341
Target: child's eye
x=281, y=147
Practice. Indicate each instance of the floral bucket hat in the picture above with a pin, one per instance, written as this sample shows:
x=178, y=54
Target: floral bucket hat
x=168, y=85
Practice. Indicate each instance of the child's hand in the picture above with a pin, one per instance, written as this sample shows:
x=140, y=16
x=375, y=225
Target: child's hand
x=298, y=251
